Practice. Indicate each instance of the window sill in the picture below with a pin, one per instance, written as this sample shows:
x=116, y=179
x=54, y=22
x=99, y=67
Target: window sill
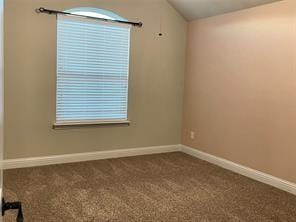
x=70, y=125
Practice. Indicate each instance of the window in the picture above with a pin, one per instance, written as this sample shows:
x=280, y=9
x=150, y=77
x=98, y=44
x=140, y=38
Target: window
x=92, y=69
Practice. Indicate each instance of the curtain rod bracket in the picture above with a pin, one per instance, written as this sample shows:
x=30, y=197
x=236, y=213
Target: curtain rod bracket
x=39, y=10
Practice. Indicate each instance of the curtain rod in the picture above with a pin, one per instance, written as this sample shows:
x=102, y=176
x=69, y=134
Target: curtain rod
x=55, y=12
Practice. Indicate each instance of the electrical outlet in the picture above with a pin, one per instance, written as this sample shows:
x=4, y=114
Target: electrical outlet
x=192, y=135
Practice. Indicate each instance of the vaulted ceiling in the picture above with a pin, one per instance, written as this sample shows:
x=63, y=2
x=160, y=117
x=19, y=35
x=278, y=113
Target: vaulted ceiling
x=195, y=9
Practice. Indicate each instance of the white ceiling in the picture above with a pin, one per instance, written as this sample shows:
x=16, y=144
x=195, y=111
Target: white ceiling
x=195, y=9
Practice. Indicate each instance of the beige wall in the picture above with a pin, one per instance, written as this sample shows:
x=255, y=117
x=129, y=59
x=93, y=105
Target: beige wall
x=156, y=85
x=1, y=95
x=240, y=88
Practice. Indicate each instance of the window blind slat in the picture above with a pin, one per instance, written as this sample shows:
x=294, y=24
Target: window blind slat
x=92, y=71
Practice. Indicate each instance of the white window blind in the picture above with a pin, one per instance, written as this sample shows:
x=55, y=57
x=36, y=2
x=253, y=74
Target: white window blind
x=92, y=70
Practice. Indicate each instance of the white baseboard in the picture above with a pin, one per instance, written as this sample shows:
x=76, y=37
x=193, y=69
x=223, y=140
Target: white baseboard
x=246, y=171
x=80, y=157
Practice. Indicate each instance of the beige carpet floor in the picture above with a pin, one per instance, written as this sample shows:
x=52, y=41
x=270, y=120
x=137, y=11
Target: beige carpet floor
x=166, y=187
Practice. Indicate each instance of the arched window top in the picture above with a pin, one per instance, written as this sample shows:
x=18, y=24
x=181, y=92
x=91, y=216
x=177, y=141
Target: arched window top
x=95, y=12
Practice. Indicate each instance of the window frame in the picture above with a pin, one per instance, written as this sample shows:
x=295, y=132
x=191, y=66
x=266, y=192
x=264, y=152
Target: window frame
x=86, y=123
